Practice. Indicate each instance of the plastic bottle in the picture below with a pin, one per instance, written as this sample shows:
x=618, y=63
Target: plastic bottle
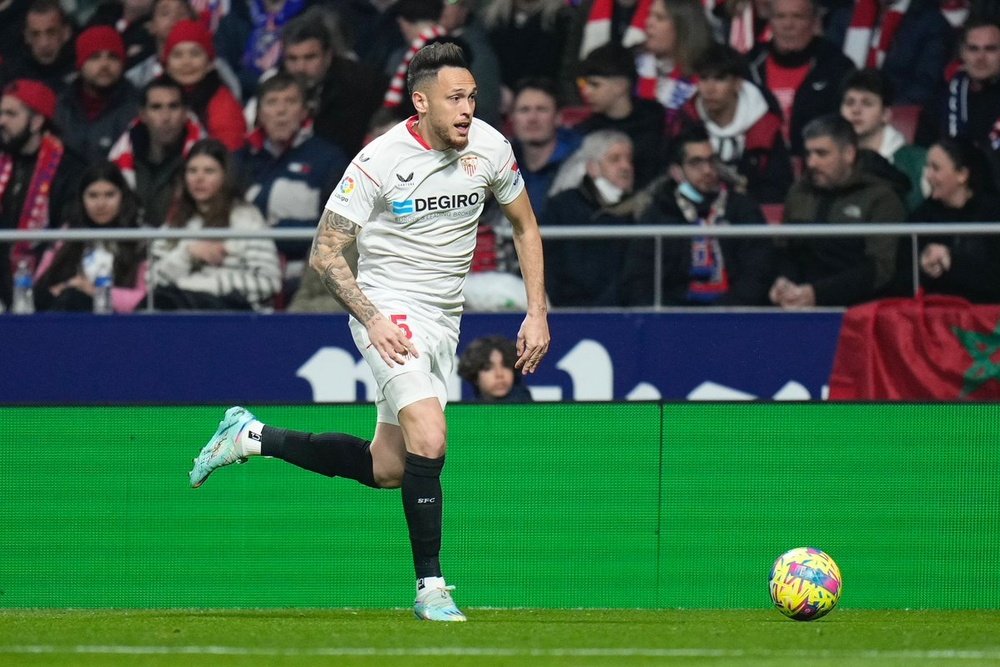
x=98, y=265
x=23, y=302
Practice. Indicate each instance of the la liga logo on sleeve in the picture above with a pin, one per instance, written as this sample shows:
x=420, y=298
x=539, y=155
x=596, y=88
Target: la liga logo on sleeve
x=344, y=189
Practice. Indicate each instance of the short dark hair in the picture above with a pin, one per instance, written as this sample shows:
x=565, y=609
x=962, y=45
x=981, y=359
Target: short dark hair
x=609, y=60
x=540, y=83
x=835, y=127
x=692, y=134
x=975, y=22
x=280, y=81
x=476, y=357
x=310, y=24
x=870, y=81
x=46, y=6
x=162, y=81
x=719, y=61
x=430, y=60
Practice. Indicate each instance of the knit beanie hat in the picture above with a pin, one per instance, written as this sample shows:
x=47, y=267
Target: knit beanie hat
x=96, y=39
x=189, y=31
x=33, y=94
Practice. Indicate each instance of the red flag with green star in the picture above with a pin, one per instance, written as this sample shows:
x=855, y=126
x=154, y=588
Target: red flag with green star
x=930, y=348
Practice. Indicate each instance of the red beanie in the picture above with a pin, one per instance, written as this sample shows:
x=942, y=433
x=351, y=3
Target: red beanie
x=33, y=94
x=96, y=39
x=189, y=31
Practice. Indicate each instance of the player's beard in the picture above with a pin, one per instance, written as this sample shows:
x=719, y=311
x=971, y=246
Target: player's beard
x=449, y=136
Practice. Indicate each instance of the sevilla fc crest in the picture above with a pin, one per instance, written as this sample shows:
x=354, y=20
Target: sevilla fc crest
x=469, y=164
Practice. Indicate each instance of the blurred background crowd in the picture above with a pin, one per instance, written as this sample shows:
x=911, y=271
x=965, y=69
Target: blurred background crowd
x=243, y=114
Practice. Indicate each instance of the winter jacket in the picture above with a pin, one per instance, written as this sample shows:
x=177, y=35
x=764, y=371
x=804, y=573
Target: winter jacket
x=747, y=260
x=583, y=272
x=843, y=271
x=538, y=182
x=751, y=144
x=975, y=260
x=93, y=138
x=290, y=187
x=819, y=93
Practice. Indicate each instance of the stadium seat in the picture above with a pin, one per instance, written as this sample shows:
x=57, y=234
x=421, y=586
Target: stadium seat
x=904, y=119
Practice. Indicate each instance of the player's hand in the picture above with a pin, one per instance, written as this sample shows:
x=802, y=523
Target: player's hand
x=390, y=341
x=532, y=343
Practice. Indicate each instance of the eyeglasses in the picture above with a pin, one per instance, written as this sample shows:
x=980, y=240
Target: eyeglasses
x=701, y=162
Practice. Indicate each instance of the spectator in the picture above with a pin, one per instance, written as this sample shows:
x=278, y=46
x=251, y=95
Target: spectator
x=677, y=34
x=48, y=34
x=802, y=70
x=131, y=19
x=37, y=173
x=961, y=191
x=969, y=103
x=745, y=131
x=609, y=77
x=540, y=144
x=511, y=24
x=597, y=23
x=867, y=105
x=249, y=37
x=188, y=56
x=342, y=94
x=68, y=271
x=909, y=41
x=841, y=271
x=99, y=105
x=288, y=171
x=487, y=364
x=151, y=151
x=165, y=15
x=701, y=270
x=585, y=272
x=745, y=23
x=236, y=274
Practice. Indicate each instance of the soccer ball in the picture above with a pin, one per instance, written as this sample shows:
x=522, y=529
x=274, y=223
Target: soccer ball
x=805, y=584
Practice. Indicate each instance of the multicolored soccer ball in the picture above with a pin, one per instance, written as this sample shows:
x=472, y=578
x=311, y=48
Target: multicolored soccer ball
x=805, y=584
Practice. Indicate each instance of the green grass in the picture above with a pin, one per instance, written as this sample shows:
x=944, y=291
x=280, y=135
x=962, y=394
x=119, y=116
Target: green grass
x=496, y=637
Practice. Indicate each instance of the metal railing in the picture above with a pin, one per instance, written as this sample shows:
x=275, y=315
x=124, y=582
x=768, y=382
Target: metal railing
x=656, y=232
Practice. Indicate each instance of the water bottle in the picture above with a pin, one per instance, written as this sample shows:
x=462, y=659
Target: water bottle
x=98, y=265
x=23, y=302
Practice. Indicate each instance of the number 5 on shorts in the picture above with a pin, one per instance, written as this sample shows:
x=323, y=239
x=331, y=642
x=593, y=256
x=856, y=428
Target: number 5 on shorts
x=399, y=321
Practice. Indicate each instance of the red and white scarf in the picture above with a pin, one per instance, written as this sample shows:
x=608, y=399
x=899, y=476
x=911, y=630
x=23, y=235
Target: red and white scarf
x=868, y=39
x=597, y=30
x=709, y=277
x=35, y=212
x=394, y=95
x=257, y=140
x=122, y=153
x=671, y=89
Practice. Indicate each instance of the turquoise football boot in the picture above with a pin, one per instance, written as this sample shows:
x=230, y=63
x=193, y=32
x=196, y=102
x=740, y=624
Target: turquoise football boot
x=222, y=449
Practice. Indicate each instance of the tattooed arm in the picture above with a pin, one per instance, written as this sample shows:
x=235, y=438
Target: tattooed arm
x=333, y=236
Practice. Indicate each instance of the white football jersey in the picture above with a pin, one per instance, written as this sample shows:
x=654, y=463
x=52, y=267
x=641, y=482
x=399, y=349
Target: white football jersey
x=418, y=210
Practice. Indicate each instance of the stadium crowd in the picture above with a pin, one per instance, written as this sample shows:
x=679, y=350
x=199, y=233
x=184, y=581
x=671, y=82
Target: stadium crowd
x=245, y=113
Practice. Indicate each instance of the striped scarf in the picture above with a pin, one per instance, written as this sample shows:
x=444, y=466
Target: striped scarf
x=868, y=39
x=394, y=95
x=672, y=89
x=35, y=212
x=709, y=278
x=597, y=30
x=122, y=153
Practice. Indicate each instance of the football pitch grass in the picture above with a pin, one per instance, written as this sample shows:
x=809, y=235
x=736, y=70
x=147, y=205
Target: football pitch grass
x=531, y=637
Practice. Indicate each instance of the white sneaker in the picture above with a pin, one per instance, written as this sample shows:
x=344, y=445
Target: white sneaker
x=435, y=604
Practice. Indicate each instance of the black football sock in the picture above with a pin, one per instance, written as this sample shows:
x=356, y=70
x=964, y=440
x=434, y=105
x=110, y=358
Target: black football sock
x=330, y=454
x=422, y=506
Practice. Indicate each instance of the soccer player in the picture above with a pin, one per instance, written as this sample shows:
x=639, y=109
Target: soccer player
x=411, y=200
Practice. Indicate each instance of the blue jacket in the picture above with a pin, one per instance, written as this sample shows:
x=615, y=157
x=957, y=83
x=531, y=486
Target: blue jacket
x=290, y=189
x=537, y=183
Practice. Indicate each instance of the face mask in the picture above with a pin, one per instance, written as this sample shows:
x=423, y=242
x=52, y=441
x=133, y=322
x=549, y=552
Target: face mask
x=610, y=193
x=689, y=192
